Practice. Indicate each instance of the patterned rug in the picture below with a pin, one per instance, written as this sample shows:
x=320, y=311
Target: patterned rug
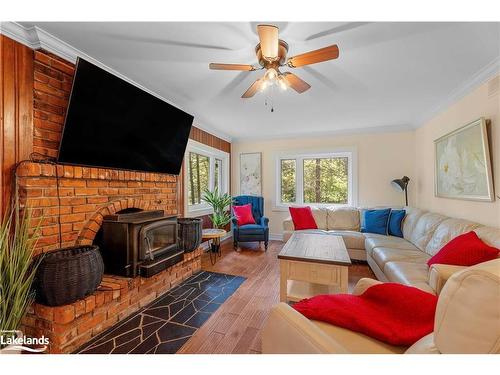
x=169, y=321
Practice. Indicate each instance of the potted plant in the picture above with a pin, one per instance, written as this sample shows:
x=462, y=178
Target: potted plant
x=17, y=272
x=220, y=203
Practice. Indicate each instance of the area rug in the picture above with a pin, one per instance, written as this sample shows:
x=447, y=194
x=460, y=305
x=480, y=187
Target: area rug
x=169, y=321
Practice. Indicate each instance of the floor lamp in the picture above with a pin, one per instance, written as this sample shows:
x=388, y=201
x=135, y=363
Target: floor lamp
x=402, y=185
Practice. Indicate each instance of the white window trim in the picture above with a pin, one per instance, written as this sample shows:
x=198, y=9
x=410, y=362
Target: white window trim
x=299, y=156
x=212, y=153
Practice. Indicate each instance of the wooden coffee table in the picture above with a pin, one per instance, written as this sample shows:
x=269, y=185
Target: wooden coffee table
x=312, y=264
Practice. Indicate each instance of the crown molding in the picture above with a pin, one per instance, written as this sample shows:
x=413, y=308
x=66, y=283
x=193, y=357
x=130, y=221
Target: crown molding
x=330, y=133
x=477, y=79
x=37, y=38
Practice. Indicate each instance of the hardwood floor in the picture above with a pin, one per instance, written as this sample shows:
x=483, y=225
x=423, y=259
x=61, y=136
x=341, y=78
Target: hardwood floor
x=235, y=327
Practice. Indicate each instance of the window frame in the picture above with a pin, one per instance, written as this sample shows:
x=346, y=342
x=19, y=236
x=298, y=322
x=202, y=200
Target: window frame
x=212, y=153
x=347, y=152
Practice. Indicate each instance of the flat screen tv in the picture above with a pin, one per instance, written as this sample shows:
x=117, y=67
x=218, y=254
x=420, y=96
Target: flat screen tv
x=111, y=123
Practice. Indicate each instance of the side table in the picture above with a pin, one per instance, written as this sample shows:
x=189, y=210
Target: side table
x=213, y=236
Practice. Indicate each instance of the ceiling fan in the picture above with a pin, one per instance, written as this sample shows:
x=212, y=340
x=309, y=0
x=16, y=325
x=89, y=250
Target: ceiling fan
x=271, y=55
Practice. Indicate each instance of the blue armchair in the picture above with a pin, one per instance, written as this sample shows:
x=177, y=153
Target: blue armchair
x=251, y=232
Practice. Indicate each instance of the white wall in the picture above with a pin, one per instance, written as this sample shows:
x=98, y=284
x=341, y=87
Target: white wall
x=382, y=157
x=478, y=103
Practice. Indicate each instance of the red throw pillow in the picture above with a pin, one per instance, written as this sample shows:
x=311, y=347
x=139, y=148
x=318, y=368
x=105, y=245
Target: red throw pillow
x=393, y=313
x=244, y=214
x=465, y=250
x=302, y=218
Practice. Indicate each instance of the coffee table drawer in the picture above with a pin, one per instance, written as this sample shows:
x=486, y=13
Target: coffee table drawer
x=314, y=273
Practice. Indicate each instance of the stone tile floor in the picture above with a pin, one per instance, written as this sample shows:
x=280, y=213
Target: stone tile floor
x=169, y=321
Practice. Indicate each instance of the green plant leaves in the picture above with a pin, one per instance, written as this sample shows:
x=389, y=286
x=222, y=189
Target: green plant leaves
x=17, y=268
x=220, y=203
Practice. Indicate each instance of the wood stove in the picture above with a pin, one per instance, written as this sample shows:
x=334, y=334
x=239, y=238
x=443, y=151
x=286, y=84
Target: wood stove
x=139, y=243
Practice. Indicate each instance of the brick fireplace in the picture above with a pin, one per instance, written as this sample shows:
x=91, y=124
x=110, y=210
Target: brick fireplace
x=69, y=203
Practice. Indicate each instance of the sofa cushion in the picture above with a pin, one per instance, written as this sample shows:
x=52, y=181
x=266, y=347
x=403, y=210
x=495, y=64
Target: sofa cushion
x=424, y=229
x=412, y=216
x=355, y=342
x=312, y=231
x=343, y=219
x=251, y=229
x=320, y=216
x=489, y=235
x=376, y=240
x=408, y=273
x=352, y=239
x=383, y=255
x=446, y=231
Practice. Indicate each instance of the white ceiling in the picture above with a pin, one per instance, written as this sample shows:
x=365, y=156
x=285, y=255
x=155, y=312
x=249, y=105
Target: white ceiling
x=388, y=75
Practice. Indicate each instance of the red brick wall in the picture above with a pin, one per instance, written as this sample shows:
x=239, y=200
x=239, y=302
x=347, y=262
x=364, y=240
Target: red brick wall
x=85, y=196
x=51, y=91
x=70, y=326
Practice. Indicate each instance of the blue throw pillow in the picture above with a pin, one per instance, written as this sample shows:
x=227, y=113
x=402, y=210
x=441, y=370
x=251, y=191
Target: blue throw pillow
x=395, y=220
x=375, y=221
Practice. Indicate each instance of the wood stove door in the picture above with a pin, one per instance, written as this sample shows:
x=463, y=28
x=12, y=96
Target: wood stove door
x=157, y=238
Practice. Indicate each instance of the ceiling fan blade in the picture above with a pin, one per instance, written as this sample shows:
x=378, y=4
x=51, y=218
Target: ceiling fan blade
x=268, y=36
x=296, y=83
x=217, y=66
x=313, y=57
x=252, y=89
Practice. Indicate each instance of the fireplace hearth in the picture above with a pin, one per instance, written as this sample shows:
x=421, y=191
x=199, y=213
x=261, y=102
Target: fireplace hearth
x=140, y=243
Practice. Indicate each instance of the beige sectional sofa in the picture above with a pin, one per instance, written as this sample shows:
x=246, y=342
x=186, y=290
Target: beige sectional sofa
x=402, y=260
x=467, y=321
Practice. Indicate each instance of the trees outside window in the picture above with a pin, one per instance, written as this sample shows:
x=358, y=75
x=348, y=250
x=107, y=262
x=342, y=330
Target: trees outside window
x=316, y=179
x=205, y=168
x=325, y=180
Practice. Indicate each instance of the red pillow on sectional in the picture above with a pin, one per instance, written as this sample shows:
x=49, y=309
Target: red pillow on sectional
x=465, y=250
x=302, y=218
x=244, y=214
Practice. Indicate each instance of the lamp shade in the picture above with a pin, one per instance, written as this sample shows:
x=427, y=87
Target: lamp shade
x=401, y=183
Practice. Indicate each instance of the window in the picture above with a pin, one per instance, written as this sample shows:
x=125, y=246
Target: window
x=321, y=179
x=205, y=168
x=288, y=189
x=198, y=172
x=325, y=180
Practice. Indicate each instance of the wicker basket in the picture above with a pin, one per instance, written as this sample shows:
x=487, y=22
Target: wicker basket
x=189, y=234
x=67, y=275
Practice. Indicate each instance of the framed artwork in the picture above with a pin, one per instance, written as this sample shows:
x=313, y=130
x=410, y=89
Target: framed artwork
x=251, y=174
x=463, y=165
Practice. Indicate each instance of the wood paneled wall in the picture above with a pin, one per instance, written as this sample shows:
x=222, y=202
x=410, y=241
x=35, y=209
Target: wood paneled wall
x=16, y=111
x=209, y=139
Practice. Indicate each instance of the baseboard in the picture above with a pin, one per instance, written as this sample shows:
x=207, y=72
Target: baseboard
x=276, y=237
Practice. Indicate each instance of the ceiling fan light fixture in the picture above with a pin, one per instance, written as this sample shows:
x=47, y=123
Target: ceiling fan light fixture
x=271, y=55
x=271, y=74
x=264, y=84
x=282, y=83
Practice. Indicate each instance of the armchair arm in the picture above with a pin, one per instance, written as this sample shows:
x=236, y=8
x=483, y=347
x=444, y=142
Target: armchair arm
x=288, y=224
x=287, y=331
x=440, y=273
x=364, y=284
x=235, y=222
x=264, y=221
